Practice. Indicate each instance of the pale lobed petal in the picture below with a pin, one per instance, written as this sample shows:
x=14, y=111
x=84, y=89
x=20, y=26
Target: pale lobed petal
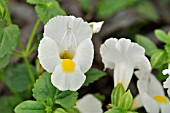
x=166, y=84
x=57, y=27
x=137, y=103
x=96, y=26
x=89, y=104
x=67, y=81
x=150, y=104
x=48, y=54
x=142, y=86
x=165, y=108
x=165, y=71
x=155, y=88
x=123, y=55
x=84, y=55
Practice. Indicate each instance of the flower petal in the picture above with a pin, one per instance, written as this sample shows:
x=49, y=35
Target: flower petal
x=48, y=54
x=84, y=55
x=67, y=81
x=155, y=88
x=150, y=104
x=57, y=27
x=165, y=108
x=137, y=103
x=89, y=104
x=96, y=26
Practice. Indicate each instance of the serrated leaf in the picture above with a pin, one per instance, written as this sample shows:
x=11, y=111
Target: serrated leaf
x=43, y=89
x=162, y=36
x=8, y=103
x=115, y=110
x=106, y=8
x=158, y=58
x=48, y=11
x=126, y=101
x=167, y=48
x=4, y=61
x=92, y=75
x=8, y=39
x=66, y=99
x=30, y=107
x=38, y=1
x=146, y=9
x=17, y=78
x=145, y=42
x=117, y=93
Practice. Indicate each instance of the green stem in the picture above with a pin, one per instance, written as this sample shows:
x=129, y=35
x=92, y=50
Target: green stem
x=33, y=34
x=29, y=69
x=25, y=57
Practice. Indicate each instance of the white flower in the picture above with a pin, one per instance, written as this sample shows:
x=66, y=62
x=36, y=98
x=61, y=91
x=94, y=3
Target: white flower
x=66, y=51
x=89, y=104
x=96, y=26
x=123, y=56
x=167, y=82
x=152, y=95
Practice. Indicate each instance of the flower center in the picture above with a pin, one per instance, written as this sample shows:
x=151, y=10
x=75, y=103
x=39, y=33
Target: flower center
x=66, y=55
x=161, y=99
x=68, y=65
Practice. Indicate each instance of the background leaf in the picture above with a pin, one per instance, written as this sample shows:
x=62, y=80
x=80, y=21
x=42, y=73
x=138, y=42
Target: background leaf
x=8, y=103
x=145, y=42
x=92, y=75
x=162, y=36
x=30, y=107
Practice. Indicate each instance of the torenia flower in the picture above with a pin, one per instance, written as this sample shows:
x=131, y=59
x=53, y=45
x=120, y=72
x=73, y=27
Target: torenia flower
x=96, y=26
x=66, y=51
x=123, y=56
x=167, y=82
x=89, y=104
x=152, y=95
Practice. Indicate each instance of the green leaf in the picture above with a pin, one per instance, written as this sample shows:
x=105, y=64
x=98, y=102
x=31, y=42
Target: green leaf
x=106, y=8
x=8, y=103
x=38, y=1
x=167, y=48
x=4, y=61
x=158, y=58
x=147, y=10
x=17, y=78
x=8, y=39
x=48, y=11
x=92, y=75
x=72, y=110
x=162, y=36
x=126, y=101
x=59, y=110
x=145, y=42
x=2, y=9
x=43, y=89
x=117, y=93
x=115, y=110
x=66, y=99
x=30, y=107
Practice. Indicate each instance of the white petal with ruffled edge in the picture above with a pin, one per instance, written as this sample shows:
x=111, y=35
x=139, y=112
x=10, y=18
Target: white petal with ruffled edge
x=48, y=54
x=57, y=27
x=89, y=104
x=67, y=81
x=96, y=26
x=167, y=85
x=123, y=55
x=84, y=55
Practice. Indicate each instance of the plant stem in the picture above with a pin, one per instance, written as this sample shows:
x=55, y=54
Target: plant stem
x=33, y=34
x=25, y=57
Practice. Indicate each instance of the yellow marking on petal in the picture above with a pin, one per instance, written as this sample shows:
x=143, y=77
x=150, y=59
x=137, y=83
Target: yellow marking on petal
x=66, y=55
x=161, y=99
x=68, y=65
